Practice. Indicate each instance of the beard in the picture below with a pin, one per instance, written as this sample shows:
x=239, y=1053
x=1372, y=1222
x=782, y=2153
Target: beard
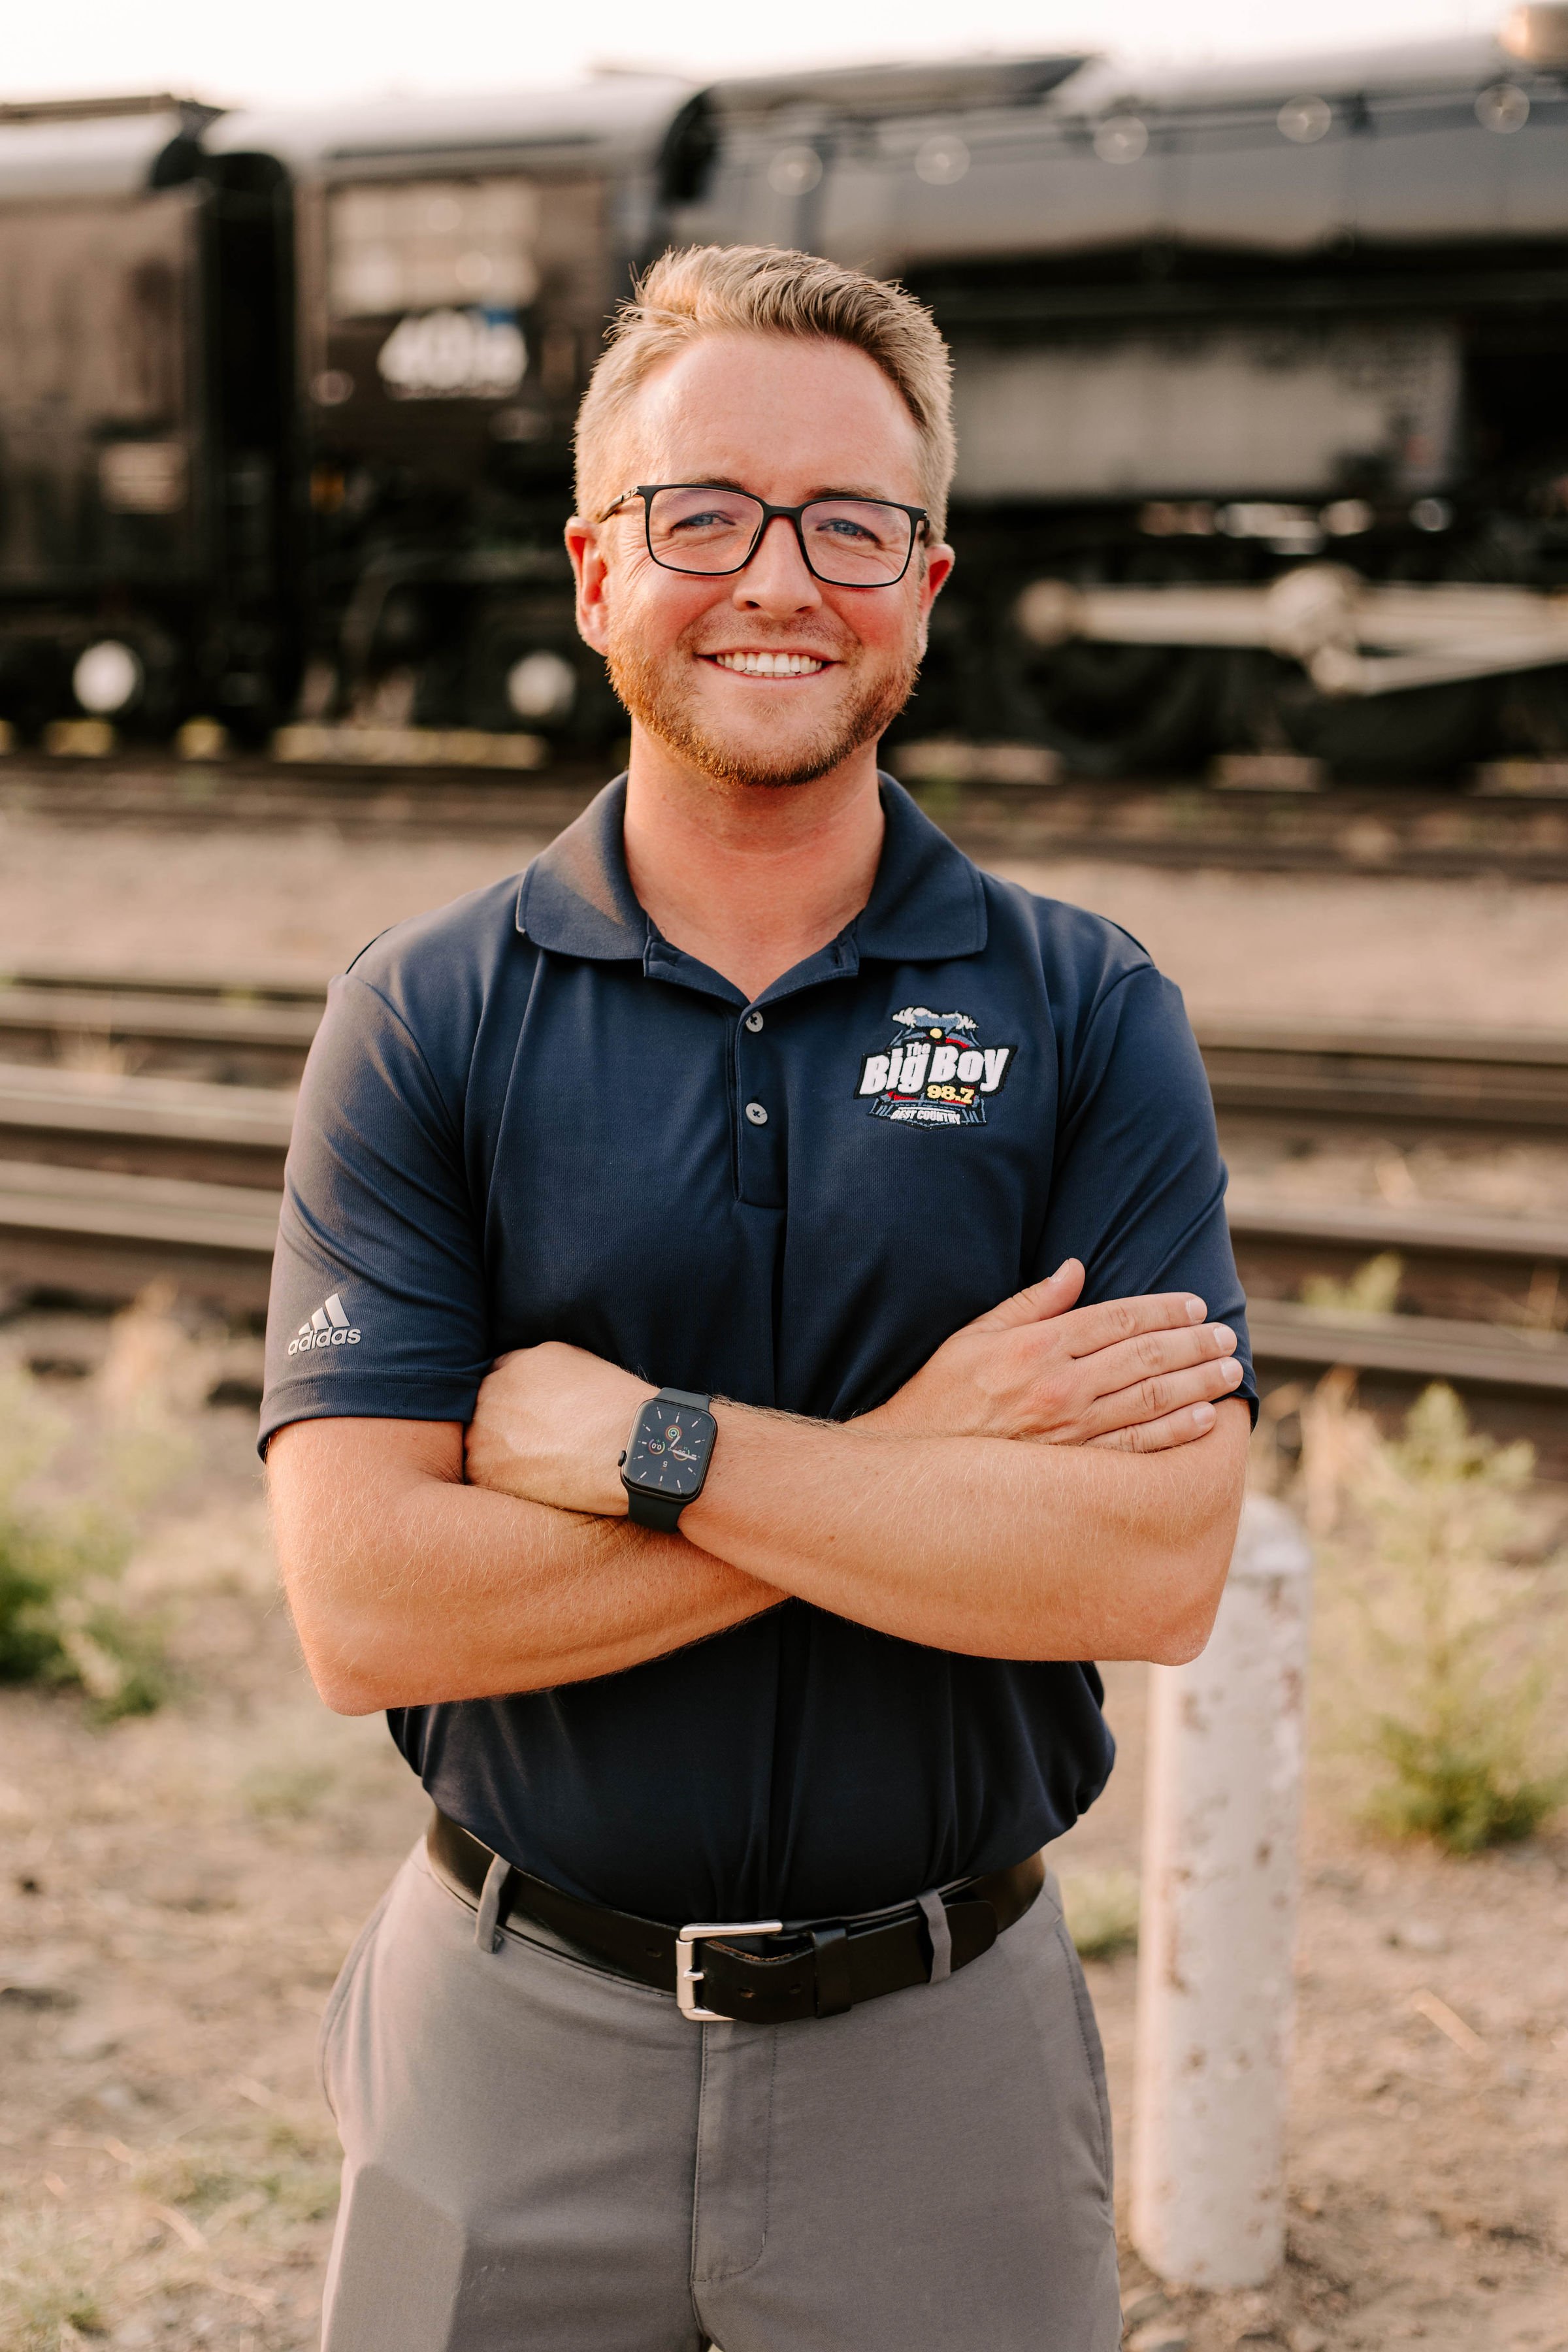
x=660, y=697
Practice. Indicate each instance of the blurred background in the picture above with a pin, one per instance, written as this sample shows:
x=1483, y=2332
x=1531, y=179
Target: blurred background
x=1257, y=643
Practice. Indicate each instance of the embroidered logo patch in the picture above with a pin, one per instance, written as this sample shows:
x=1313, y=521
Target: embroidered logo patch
x=936, y=1072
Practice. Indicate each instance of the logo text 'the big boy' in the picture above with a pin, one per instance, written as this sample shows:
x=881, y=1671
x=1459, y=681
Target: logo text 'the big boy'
x=936, y=1072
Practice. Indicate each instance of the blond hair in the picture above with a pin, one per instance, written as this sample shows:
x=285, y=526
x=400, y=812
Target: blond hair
x=712, y=290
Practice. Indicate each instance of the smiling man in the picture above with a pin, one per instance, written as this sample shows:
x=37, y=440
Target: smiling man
x=686, y=1421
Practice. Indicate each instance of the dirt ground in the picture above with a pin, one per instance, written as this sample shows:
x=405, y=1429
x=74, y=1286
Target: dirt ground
x=302, y=901
x=176, y=1892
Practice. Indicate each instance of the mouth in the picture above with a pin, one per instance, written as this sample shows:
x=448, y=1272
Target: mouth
x=749, y=664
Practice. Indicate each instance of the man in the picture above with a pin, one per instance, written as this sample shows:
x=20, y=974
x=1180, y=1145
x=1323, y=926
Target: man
x=732, y=1183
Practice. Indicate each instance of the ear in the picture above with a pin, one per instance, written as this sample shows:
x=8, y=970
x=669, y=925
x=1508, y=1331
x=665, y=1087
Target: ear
x=935, y=571
x=590, y=570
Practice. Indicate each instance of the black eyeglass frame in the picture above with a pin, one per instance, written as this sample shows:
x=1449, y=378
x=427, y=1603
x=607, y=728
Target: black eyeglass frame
x=919, y=525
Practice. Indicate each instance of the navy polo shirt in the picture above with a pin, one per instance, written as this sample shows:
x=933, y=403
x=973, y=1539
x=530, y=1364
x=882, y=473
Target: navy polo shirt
x=528, y=1116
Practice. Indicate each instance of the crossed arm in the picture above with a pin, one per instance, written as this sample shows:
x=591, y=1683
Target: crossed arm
x=1051, y=1484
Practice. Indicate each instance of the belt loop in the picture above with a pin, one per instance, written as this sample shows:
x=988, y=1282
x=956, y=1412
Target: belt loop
x=831, y=1947
x=941, y=1935
x=492, y=1901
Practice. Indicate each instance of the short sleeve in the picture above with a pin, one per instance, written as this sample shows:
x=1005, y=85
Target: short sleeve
x=378, y=1303
x=1138, y=1191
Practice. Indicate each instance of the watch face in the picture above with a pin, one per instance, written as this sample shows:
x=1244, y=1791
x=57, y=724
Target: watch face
x=669, y=1448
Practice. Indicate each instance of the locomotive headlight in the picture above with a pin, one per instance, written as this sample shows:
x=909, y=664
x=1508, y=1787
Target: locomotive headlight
x=794, y=171
x=107, y=678
x=542, y=686
x=1305, y=121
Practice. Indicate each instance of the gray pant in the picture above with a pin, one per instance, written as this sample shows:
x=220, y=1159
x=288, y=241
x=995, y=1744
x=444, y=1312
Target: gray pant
x=538, y=2157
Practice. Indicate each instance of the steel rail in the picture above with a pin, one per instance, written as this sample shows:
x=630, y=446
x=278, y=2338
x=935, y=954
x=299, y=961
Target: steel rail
x=121, y=1012
x=90, y=1232
x=1464, y=1234
x=105, y=1107
x=1341, y=1071
x=1325, y=1071
x=105, y=1233
x=1411, y=1347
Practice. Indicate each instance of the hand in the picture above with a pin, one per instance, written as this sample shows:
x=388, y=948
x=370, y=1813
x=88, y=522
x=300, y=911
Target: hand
x=1138, y=1374
x=548, y=1427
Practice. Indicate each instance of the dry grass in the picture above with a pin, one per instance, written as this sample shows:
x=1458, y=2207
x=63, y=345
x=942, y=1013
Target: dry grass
x=51, y=2277
x=168, y=2227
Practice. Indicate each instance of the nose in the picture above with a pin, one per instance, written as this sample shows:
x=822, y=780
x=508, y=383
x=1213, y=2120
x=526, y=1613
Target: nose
x=777, y=579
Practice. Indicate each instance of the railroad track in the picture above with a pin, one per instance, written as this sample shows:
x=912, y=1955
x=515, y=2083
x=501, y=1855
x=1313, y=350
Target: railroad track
x=258, y=1033
x=1348, y=1072
x=103, y=1234
x=1522, y=835
x=108, y=1180
x=1486, y=1298
x=1325, y=1072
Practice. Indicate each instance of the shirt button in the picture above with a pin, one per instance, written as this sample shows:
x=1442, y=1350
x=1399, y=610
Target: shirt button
x=753, y=1021
x=757, y=1114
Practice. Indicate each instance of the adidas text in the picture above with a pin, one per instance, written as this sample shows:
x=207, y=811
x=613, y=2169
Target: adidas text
x=328, y=1327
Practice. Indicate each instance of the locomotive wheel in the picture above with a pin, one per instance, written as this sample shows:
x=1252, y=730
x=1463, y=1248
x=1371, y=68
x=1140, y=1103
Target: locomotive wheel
x=1430, y=731
x=1111, y=710
x=1108, y=710
x=1535, y=713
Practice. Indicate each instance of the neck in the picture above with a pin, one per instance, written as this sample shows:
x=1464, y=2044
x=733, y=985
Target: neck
x=750, y=878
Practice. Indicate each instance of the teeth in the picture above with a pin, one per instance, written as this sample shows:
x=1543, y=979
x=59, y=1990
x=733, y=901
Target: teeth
x=771, y=664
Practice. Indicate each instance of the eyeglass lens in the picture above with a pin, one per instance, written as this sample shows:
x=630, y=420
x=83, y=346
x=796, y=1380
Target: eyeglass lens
x=849, y=543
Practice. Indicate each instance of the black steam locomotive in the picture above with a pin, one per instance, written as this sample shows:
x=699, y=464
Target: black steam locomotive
x=1259, y=378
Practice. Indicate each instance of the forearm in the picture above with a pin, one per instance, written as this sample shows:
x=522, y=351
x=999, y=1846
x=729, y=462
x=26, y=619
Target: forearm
x=408, y=1587
x=994, y=1547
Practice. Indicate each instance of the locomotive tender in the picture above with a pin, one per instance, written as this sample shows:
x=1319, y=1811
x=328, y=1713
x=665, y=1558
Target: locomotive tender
x=1258, y=375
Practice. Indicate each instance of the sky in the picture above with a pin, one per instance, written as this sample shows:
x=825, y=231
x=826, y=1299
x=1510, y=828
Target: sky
x=306, y=50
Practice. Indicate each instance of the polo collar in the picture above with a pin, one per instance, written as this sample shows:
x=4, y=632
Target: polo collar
x=576, y=898
x=927, y=903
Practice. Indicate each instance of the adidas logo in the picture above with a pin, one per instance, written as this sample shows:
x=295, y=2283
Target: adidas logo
x=328, y=1327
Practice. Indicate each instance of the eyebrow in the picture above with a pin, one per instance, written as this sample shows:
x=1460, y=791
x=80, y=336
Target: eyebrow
x=836, y=490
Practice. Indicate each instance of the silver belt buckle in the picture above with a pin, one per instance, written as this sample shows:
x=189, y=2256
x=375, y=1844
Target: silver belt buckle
x=687, y=1977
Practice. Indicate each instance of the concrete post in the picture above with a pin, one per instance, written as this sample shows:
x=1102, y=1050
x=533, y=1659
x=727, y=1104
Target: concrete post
x=1215, y=2000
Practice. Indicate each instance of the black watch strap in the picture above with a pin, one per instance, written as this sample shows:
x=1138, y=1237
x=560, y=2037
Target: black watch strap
x=660, y=1511
x=663, y=1511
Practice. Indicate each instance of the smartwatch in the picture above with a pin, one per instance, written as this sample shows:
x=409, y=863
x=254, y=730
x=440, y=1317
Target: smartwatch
x=666, y=1457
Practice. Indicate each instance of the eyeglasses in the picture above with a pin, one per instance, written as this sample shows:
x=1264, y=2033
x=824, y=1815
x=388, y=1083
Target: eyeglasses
x=696, y=527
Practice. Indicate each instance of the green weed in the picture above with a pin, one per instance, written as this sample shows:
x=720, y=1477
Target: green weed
x=290, y=2178
x=1372, y=1289
x=1441, y=1616
x=288, y=1791
x=1101, y=1908
x=62, y=1620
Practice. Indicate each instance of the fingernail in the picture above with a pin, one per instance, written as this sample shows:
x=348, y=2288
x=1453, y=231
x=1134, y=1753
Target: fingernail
x=1225, y=1334
x=1196, y=1310
x=1231, y=1371
x=1202, y=1414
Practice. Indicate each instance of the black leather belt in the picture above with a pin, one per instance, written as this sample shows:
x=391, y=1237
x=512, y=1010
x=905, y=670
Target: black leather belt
x=757, y=1972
